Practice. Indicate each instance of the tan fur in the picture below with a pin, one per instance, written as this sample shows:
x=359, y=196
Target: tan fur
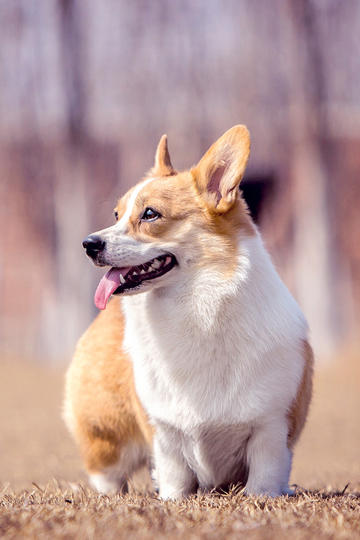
x=299, y=409
x=101, y=407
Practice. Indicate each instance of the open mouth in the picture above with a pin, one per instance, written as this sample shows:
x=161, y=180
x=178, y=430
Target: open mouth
x=119, y=280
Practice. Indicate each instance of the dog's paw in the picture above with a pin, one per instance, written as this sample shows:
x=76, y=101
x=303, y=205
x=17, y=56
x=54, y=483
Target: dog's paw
x=171, y=495
x=262, y=491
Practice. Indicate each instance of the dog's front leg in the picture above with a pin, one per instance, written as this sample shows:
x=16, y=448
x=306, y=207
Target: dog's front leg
x=269, y=459
x=172, y=475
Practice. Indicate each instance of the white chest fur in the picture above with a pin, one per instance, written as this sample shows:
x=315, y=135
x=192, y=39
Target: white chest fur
x=212, y=351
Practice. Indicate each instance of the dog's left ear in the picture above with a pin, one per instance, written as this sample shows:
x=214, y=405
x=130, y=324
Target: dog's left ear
x=219, y=172
x=162, y=165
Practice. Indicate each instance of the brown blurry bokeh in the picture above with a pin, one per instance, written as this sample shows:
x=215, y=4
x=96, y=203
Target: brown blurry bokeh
x=86, y=90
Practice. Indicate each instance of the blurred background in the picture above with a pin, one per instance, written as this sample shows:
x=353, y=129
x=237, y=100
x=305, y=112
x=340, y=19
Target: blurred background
x=86, y=90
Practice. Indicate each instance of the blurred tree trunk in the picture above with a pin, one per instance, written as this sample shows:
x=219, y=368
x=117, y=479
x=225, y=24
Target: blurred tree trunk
x=313, y=264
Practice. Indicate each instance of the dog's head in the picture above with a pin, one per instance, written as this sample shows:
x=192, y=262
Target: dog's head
x=174, y=222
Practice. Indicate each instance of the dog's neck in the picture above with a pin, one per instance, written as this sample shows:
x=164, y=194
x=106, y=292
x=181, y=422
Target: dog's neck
x=202, y=298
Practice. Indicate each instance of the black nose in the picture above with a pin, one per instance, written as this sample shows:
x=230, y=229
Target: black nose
x=93, y=244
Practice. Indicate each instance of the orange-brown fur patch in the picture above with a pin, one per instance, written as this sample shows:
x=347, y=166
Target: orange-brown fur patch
x=120, y=207
x=100, y=387
x=300, y=406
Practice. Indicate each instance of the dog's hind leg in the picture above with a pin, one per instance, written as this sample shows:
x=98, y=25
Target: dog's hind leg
x=110, y=463
x=101, y=408
x=111, y=445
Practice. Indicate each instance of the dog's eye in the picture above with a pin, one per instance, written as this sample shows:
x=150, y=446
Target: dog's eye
x=150, y=214
x=116, y=215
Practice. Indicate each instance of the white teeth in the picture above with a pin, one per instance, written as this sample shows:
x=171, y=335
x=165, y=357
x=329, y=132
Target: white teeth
x=142, y=271
x=152, y=268
x=135, y=273
x=156, y=263
x=168, y=260
x=122, y=279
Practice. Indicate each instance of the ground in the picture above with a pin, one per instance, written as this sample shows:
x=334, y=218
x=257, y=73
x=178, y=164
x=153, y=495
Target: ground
x=44, y=494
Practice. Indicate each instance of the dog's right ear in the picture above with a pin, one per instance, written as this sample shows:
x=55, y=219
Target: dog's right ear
x=162, y=165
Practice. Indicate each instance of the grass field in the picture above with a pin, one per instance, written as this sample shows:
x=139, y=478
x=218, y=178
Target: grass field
x=44, y=494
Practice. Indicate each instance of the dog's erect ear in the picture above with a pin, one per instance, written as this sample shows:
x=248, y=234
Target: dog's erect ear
x=162, y=165
x=219, y=172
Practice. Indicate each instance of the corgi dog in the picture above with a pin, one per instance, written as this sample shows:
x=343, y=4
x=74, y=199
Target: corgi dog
x=199, y=362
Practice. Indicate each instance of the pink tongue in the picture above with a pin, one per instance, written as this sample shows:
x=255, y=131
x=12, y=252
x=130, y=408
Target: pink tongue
x=108, y=284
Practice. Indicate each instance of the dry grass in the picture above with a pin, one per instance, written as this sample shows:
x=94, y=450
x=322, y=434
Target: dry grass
x=43, y=491
x=59, y=512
